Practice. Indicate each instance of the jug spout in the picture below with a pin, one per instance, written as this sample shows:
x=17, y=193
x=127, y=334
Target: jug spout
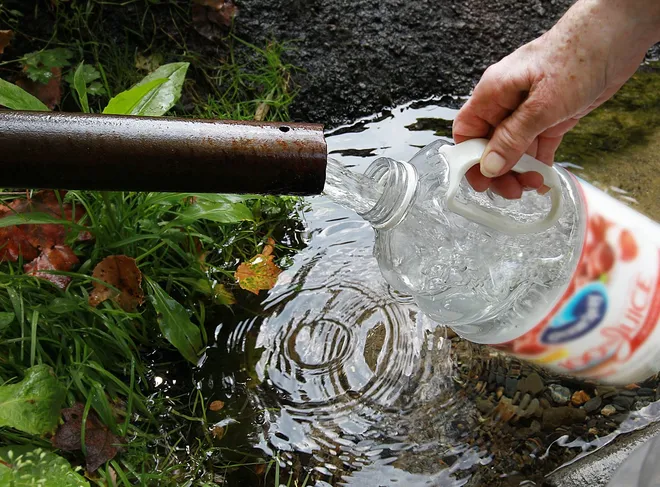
x=127, y=153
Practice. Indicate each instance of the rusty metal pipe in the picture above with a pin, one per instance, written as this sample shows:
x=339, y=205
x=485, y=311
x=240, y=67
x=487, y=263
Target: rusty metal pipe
x=122, y=153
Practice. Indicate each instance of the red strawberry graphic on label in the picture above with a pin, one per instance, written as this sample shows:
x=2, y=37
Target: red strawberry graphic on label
x=598, y=226
x=601, y=260
x=628, y=246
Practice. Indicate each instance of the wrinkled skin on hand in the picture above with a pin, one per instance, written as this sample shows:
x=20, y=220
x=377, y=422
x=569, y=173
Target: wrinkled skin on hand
x=527, y=102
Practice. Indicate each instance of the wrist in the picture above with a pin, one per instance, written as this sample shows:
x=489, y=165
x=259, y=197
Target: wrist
x=636, y=21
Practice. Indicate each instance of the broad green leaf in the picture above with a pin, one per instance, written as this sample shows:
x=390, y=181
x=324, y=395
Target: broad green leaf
x=96, y=88
x=6, y=319
x=16, y=98
x=175, y=323
x=80, y=84
x=126, y=101
x=158, y=102
x=216, y=212
x=33, y=404
x=89, y=74
x=28, y=466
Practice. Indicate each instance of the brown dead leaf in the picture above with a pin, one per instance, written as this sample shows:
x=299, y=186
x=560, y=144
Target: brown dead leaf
x=259, y=273
x=50, y=93
x=210, y=17
x=120, y=272
x=42, y=242
x=216, y=405
x=57, y=258
x=101, y=444
x=218, y=432
x=6, y=37
x=260, y=469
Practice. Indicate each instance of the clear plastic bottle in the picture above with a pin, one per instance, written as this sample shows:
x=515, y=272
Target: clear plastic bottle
x=568, y=280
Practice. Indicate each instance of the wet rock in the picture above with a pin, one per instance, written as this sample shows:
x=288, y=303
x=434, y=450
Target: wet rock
x=533, y=408
x=593, y=404
x=559, y=394
x=499, y=379
x=516, y=397
x=556, y=417
x=606, y=391
x=579, y=398
x=642, y=403
x=545, y=404
x=510, y=386
x=504, y=410
x=608, y=410
x=623, y=401
x=645, y=391
x=627, y=393
x=524, y=402
x=532, y=384
x=485, y=406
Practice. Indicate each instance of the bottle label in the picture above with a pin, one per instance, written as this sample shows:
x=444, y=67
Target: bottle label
x=606, y=325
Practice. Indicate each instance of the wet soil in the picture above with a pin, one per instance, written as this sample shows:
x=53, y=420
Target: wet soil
x=358, y=57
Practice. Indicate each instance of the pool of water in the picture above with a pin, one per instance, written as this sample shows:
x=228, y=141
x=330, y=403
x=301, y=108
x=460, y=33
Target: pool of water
x=337, y=375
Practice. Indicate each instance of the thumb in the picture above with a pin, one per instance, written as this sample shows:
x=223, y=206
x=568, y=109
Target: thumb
x=514, y=135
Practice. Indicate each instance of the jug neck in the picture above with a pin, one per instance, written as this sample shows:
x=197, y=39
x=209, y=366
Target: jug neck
x=398, y=181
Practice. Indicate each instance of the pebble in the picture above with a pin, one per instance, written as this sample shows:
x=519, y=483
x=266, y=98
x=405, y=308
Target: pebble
x=593, y=404
x=533, y=407
x=593, y=431
x=532, y=384
x=623, y=401
x=645, y=391
x=545, y=404
x=484, y=405
x=579, y=398
x=499, y=392
x=556, y=417
x=516, y=397
x=559, y=394
x=510, y=386
x=608, y=410
x=524, y=402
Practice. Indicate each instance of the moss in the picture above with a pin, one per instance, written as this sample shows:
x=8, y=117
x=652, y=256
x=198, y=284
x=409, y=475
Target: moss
x=624, y=122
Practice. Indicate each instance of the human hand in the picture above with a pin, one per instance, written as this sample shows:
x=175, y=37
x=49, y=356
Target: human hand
x=527, y=102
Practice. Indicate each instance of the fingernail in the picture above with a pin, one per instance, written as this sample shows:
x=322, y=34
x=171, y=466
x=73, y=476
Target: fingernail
x=543, y=189
x=492, y=165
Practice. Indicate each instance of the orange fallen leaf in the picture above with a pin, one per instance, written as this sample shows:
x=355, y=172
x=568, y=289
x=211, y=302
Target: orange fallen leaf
x=222, y=295
x=50, y=93
x=218, y=432
x=259, y=273
x=40, y=246
x=260, y=469
x=6, y=37
x=120, y=272
x=216, y=405
x=57, y=258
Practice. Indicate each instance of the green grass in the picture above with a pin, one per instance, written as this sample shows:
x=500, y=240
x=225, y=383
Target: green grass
x=108, y=358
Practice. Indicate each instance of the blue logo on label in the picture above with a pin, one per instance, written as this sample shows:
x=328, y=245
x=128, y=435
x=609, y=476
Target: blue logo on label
x=580, y=315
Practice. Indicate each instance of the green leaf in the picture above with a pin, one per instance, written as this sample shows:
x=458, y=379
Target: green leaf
x=89, y=74
x=126, y=101
x=96, y=88
x=80, y=84
x=27, y=466
x=6, y=319
x=216, y=212
x=160, y=101
x=16, y=98
x=39, y=64
x=33, y=404
x=175, y=323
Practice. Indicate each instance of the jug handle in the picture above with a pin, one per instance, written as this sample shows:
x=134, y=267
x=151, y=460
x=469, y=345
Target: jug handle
x=463, y=156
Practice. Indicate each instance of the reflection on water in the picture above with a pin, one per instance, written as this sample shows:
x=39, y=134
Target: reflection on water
x=340, y=369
